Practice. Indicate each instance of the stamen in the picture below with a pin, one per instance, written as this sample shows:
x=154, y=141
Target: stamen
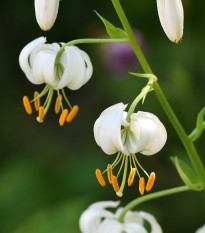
x=100, y=177
x=141, y=166
x=27, y=105
x=36, y=100
x=131, y=176
x=141, y=185
x=150, y=182
x=58, y=103
x=41, y=114
x=72, y=113
x=115, y=184
x=109, y=173
x=63, y=117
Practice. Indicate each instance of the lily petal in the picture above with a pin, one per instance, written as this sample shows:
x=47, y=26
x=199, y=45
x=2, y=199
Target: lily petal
x=107, y=129
x=110, y=226
x=134, y=228
x=154, y=224
x=24, y=58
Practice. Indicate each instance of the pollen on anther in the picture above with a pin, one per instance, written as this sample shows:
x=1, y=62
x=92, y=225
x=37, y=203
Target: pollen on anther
x=100, y=177
x=131, y=176
x=41, y=114
x=141, y=185
x=150, y=182
x=58, y=104
x=63, y=117
x=115, y=184
x=27, y=105
x=36, y=101
x=72, y=113
x=109, y=173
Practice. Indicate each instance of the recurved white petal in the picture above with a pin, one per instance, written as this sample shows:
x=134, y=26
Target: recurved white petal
x=46, y=13
x=134, y=228
x=154, y=224
x=110, y=226
x=24, y=58
x=107, y=129
x=171, y=15
x=150, y=132
x=91, y=219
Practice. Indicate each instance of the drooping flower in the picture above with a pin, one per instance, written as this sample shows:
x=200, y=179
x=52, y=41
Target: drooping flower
x=46, y=13
x=144, y=134
x=171, y=15
x=201, y=229
x=96, y=219
x=37, y=60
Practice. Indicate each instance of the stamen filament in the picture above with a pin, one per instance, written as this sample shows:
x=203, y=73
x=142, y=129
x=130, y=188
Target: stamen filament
x=72, y=114
x=109, y=173
x=114, y=163
x=115, y=184
x=58, y=103
x=48, y=100
x=150, y=182
x=141, y=185
x=141, y=166
x=36, y=100
x=63, y=117
x=27, y=105
x=45, y=90
x=120, y=158
x=41, y=114
x=135, y=166
x=123, y=160
x=66, y=99
x=131, y=176
x=100, y=177
x=120, y=192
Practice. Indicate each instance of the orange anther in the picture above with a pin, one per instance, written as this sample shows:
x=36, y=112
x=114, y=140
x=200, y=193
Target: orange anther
x=63, y=117
x=27, y=105
x=115, y=184
x=100, y=177
x=36, y=101
x=58, y=104
x=41, y=114
x=109, y=173
x=72, y=114
x=150, y=182
x=141, y=185
x=131, y=176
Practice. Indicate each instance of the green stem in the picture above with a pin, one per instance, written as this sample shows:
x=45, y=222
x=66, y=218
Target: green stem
x=87, y=41
x=149, y=197
x=191, y=151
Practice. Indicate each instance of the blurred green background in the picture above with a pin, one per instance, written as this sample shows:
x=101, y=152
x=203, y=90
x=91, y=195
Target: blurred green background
x=46, y=171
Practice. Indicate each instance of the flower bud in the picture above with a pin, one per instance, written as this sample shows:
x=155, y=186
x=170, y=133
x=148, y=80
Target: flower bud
x=46, y=13
x=171, y=15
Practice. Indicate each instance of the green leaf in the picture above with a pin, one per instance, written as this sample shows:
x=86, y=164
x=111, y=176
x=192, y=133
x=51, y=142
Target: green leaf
x=187, y=174
x=112, y=31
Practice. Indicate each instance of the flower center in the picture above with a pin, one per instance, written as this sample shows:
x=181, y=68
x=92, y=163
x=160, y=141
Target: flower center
x=134, y=164
x=66, y=115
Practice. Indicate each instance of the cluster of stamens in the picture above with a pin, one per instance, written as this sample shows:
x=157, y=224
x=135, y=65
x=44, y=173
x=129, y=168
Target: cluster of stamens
x=66, y=115
x=134, y=164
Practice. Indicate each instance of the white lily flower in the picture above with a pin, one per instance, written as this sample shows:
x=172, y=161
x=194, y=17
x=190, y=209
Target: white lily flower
x=96, y=219
x=171, y=15
x=144, y=134
x=46, y=13
x=37, y=60
x=201, y=229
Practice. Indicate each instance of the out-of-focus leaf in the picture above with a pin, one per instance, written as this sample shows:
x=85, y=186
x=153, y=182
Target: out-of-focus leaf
x=187, y=174
x=112, y=31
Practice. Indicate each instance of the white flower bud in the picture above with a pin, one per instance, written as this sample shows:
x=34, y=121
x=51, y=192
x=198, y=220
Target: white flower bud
x=46, y=13
x=171, y=15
